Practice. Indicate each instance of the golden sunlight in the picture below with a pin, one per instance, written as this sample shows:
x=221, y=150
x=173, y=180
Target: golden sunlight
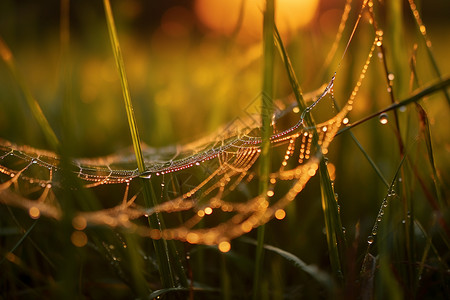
x=222, y=17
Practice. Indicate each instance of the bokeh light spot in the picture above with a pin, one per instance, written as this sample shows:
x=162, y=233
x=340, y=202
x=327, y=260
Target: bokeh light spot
x=79, y=238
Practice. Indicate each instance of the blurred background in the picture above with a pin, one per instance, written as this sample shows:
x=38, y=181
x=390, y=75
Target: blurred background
x=192, y=65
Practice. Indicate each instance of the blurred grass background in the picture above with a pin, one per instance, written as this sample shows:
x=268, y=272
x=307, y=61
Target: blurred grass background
x=186, y=79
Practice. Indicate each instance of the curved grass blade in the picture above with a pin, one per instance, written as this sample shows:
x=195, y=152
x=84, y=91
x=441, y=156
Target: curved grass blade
x=321, y=277
x=156, y=221
x=20, y=241
x=335, y=236
x=440, y=85
x=162, y=292
x=423, y=32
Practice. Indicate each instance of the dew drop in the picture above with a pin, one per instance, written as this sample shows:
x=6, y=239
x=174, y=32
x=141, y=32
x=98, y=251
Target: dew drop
x=370, y=240
x=345, y=121
x=391, y=76
x=383, y=118
x=403, y=221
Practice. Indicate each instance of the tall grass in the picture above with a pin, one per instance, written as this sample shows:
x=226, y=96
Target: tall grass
x=266, y=132
x=162, y=247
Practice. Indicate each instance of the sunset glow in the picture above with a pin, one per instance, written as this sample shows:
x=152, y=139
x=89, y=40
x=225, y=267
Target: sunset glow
x=222, y=17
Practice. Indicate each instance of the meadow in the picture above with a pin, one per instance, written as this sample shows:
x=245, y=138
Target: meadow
x=149, y=152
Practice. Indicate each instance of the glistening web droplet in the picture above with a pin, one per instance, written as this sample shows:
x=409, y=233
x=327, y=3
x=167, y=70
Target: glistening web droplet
x=383, y=118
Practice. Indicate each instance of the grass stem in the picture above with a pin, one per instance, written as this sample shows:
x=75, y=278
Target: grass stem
x=266, y=116
x=156, y=221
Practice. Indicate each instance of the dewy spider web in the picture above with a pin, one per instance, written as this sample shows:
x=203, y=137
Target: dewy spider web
x=219, y=170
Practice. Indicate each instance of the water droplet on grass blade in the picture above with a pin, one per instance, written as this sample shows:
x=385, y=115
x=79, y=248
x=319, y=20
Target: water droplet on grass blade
x=391, y=76
x=383, y=118
x=370, y=240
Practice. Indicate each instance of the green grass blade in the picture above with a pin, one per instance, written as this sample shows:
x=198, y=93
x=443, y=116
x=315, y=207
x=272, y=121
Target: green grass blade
x=422, y=31
x=159, y=293
x=426, y=133
x=335, y=236
x=290, y=70
x=388, y=280
x=266, y=117
x=440, y=85
x=156, y=221
x=32, y=103
x=333, y=225
x=366, y=155
x=125, y=89
x=20, y=241
x=321, y=277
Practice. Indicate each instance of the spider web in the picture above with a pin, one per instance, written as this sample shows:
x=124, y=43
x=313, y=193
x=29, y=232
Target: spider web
x=206, y=187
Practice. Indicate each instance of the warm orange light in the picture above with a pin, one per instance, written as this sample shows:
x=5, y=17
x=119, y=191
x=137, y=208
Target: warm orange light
x=208, y=210
x=79, y=223
x=222, y=16
x=280, y=214
x=79, y=238
x=224, y=246
x=34, y=212
x=192, y=238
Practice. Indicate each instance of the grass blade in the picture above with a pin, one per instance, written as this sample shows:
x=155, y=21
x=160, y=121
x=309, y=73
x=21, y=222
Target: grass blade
x=320, y=276
x=125, y=89
x=440, y=85
x=266, y=116
x=156, y=221
x=422, y=29
x=333, y=226
x=158, y=293
x=20, y=241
